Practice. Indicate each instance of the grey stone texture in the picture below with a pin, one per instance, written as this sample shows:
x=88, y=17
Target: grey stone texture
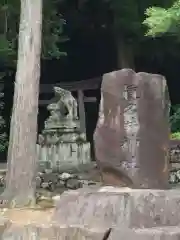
x=132, y=133
x=119, y=207
x=51, y=232
x=62, y=146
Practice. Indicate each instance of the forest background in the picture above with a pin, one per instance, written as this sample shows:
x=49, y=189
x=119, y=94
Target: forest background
x=83, y=39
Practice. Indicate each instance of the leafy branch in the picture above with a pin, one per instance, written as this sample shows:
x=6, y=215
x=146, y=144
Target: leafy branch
x=163, y=20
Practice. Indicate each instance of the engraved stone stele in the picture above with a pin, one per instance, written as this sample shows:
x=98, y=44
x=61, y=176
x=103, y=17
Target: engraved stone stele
x=132, y=133
x=62, y=146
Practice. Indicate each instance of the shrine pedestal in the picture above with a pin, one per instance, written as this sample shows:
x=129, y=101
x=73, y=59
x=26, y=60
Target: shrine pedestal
x=64, y=156
x=62, y=146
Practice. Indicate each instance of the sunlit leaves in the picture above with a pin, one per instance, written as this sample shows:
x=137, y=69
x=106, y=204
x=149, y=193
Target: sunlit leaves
x=161, y=20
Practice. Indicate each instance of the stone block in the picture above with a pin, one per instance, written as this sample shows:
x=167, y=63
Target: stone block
x=132, y=133
x=64, y=156
x=165, y=233
x=50, y=232
x=119, y=207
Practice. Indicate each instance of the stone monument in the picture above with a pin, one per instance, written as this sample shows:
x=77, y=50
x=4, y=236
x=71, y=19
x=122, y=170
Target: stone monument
x=132, y=133
x=131, y=144
x=62, y=145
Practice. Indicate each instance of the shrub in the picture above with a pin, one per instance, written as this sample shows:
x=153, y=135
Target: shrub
x=175, y=135
x=175, y=119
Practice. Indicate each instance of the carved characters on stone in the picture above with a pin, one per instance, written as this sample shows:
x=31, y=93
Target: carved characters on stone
x=132, y=129
x=131, y=124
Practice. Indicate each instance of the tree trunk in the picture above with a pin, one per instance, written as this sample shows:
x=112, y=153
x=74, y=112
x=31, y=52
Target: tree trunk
x=125, y=58
x=22, y=159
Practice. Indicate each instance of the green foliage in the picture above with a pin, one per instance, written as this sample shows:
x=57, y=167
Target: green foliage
x=175, y=119
x=175, y=136
x=9, y=21
x=129, y=15
x=163, y=20
x=52, y=36
x=53, y=24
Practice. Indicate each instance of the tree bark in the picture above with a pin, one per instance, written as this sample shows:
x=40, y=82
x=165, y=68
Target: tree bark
x=125, y=58
x=22, y=159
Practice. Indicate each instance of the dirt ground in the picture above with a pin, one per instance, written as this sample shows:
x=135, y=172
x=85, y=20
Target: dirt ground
x=27, y=216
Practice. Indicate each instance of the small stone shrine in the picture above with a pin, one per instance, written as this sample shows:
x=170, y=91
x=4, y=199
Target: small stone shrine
x=62, y=146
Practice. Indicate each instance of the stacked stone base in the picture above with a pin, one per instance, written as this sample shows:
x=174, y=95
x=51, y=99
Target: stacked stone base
x=64, y=156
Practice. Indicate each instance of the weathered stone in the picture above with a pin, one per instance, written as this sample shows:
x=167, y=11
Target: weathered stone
x=45, y=185
x=49, y=232
x=120, y=207
x=56, y=198
x=174, y=154
x=4, y=224
x=174, y=159
x=39, y=181
x=73, y=184
x=132, y=133
x=88, y=183
x=65, y=176
x=62, y=145
x=164, y=233
x=60, y=184
x=53, y=177
x=2, y=181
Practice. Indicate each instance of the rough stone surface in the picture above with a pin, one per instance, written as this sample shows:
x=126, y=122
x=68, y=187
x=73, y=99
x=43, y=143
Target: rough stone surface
x=52, y=183
x=120, y=207
x=132, y=133
x=4, y=224
x=62, y=145
x=165, y=233
x=50, y=232
x=174, y=159
x=73, y=184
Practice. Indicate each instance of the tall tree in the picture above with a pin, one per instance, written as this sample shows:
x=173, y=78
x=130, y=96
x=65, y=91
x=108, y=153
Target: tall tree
x=53, y=23
x=127, y=28
x=22, y=159
x=121, y=19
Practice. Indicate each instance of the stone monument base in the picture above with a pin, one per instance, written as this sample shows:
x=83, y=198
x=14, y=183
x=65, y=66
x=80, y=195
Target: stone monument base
x=64, y=156
x=164, y=233
x=129, y=213
x=49, y=231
